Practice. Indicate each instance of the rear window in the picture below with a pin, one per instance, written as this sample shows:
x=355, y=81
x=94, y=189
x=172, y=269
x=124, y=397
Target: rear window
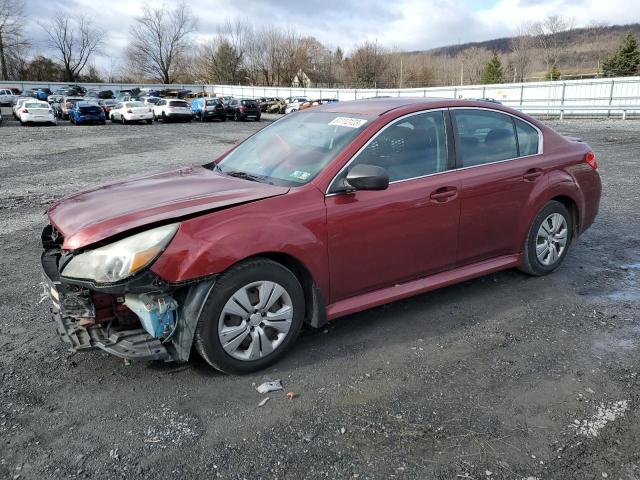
x=211, y=103
x=175, y=103
x=134, y=104
x=35, y=105
x=249, y=103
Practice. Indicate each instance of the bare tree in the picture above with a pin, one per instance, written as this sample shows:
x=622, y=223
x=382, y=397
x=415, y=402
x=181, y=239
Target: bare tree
x=367, y=65
x=473, y=61
x=11, y=35
x=75, y=42
x=521, y=52
x=551, y=35
x=158, y=40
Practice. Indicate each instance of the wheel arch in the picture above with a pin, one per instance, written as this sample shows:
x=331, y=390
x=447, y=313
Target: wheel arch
x=573, y=208
x=315, y=308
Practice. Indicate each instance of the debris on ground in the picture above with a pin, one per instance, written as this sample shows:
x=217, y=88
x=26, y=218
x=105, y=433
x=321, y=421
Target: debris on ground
x=263, y=402
x=291, y=395
x=267, y=387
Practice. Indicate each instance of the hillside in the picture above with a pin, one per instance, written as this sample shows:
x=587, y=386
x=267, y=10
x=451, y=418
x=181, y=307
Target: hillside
x=576, y=40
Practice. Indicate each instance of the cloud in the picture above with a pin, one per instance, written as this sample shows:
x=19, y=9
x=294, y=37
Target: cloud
x=404, y=24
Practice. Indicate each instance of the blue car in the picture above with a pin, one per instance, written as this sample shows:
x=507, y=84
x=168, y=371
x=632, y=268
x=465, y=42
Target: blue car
x=208, y=108
x=87, y=112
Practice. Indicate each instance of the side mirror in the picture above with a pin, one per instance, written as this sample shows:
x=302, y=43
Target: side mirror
x=367, y=177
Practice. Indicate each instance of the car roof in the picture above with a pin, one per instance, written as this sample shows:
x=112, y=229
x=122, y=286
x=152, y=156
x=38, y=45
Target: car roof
x=380, y=106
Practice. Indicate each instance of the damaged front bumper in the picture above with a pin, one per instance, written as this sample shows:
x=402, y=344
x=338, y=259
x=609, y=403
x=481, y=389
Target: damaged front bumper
x=91, y=317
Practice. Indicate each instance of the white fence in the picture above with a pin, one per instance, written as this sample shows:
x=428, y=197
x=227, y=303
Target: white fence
x=551, y=98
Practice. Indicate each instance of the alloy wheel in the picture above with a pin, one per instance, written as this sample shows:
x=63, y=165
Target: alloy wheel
x=255, y=320
x=551, y=240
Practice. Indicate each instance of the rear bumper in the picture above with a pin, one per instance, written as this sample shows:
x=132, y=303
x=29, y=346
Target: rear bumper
x=179, y=116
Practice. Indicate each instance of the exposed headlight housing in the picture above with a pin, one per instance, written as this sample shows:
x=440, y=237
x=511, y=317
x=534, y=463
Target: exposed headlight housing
x=120, y=259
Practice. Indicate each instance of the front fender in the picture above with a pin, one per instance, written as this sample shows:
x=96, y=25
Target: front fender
x=293, y=224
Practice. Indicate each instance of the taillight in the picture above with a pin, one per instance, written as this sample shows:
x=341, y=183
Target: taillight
x=24, y=110
x=129, y=111
x=241, y=109
x=590, y=158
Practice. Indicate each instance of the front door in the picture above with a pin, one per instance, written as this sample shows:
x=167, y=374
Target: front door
x=379, y=238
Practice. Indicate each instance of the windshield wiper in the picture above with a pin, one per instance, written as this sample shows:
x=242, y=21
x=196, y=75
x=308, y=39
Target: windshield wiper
x=245, y=176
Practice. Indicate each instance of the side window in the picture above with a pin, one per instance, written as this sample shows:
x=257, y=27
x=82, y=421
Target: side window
x=484, y=136
x=527, y=138
x=411, y=147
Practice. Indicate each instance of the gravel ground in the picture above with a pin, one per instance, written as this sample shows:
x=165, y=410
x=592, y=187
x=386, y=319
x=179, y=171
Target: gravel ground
x=507, y=376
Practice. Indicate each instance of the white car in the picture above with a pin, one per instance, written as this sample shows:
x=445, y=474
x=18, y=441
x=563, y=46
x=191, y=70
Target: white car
x=293, y=103
x=131, y=111
x=36, y=111
x=17, y=104
x=169, y=109
x=7, y=97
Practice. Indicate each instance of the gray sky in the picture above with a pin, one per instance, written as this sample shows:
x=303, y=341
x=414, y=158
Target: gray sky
x=402, y=24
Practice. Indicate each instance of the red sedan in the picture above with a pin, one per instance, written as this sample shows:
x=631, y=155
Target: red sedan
x=321, y=214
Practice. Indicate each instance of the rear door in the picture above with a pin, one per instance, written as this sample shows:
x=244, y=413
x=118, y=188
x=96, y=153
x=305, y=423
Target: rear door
x=378, y=238
x=499, y=160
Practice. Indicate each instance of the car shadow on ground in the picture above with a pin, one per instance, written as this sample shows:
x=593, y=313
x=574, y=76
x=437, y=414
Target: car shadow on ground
x=426, y=316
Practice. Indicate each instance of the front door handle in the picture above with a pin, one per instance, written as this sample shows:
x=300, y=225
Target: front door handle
x=444, y=194
x=532, y=175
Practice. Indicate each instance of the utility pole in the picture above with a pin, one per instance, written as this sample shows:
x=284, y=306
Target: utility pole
x=400, y=70
x=462, y=73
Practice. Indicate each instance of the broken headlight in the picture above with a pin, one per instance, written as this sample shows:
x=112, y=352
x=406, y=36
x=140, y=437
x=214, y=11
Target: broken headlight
x=120, y=259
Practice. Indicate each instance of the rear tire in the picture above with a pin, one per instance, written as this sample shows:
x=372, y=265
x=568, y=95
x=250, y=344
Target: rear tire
x=248, y=277
x=236, y=117
x=123, y=121
x=548, y=240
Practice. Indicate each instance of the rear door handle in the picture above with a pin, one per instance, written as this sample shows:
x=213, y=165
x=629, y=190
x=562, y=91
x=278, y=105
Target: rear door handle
x=444, y=194
x=532, y=175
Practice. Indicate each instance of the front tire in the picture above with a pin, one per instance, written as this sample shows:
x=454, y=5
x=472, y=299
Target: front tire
x=252, y=317
x=548, y=240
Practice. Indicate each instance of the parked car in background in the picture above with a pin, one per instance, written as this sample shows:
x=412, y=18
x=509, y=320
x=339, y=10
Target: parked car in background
x=293, y=103
x=36, y=111
x=15, y=90
x=87, y=112
x=266, y=102
x=149, y=101
x=168, y=110
x=106, y=105
x=17, y=104
x=7, y=96
x=128, y=112
x=226, y=99
x=67, y=104
x=319, y=101
x=243, y=109
x=278, y=107
x=42, y=93
x=319, y=215
x=208, y=109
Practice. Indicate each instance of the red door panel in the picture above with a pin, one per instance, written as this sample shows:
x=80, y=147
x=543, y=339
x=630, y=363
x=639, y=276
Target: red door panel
x=493, y=201
x=378, y=238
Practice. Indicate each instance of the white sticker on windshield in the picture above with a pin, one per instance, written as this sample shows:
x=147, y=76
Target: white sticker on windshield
x=300, y=175
x=347, y=122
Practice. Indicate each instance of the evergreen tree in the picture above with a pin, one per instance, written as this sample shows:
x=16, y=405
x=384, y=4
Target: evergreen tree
x=493, y=70
x=553, y=73
x=625, y=61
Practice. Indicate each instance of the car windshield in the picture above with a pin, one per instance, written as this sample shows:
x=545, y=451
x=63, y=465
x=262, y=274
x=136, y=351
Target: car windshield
x=293, y=150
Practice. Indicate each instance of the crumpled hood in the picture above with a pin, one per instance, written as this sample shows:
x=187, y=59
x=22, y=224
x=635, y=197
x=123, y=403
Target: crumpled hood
x=101, y=212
